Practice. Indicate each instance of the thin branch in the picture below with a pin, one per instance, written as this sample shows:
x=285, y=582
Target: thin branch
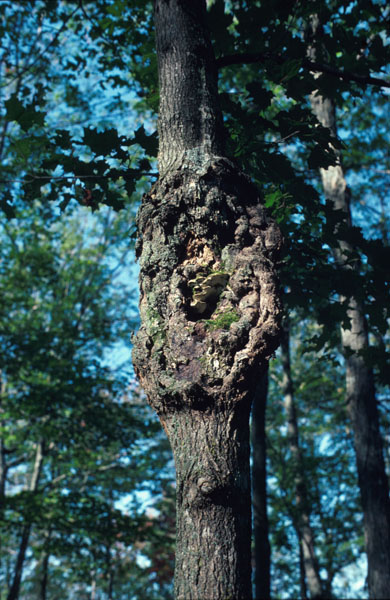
x=29, y=66
x=248, y=58
x=73, y=478
x=283, y=139
x=17, y=461
x=379, y=171
x=48, y=178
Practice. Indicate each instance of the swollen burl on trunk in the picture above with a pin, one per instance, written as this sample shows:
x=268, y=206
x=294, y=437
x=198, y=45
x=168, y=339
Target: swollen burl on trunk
x=210, y=306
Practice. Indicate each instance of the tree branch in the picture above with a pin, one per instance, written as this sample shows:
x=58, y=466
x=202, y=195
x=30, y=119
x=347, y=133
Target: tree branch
x=248, y=58
x=36, y=59
x=48, y=178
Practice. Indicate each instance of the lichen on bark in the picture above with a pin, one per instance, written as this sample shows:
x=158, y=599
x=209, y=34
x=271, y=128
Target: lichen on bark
x=196, y=221
x=210, y=311
x=200, y=368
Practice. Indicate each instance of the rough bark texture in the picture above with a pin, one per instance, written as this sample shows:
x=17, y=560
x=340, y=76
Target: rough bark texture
x=360, y=387
x=190, y=119
x=209, y=310
x=303, y=526
x=262, y=550
x=210, y=318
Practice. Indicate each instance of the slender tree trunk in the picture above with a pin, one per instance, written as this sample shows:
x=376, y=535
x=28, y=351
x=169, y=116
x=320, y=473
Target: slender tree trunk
x=360, y=387
x=262, y=551
x=18, y=571
x=302, y=574
x=209, y=309
x=109, y=571
x=3, y=459
x=45, y=575
x=3, y=471
x=305, y=532
x=45, y=565
x=110, y=592
x=92, y=595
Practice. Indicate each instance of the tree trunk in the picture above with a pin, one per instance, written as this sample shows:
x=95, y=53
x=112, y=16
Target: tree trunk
x=209, y=307
x=262, y=550
x=92, y=595
x=305, y=532
x=3, y=471
x=13, y=594
x=360, y=390
x=3, y=460
x=45, y=565
x=45, y=575
x=109, y=571
x=302, y=574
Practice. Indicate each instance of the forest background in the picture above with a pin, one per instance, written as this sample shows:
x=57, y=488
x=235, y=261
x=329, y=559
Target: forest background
x=79, y=449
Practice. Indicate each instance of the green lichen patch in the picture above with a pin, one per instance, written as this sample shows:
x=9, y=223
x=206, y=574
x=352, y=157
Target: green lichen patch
x=223, y=320
x=155, y=326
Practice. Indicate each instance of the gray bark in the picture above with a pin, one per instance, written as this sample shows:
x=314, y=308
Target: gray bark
x=262, y=550
x=3, y=469
x=360, y=388
x=13, y=594
x=210, y=310
x=303, y=525
x=190, y=122
x=302, y=574
x=45, y=557
x=45, y=575
x=3, y=452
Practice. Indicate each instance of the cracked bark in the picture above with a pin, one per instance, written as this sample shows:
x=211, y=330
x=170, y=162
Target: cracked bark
x=202, y=346
x=360, y=388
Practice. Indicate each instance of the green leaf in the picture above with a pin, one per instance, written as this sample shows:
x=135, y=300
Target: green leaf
x=102, y=143
x=321, y=158
x=272, y=198
x=148, y=142
x=260, y=95
x=7, y=207
x=290, y=69
x=25, y=115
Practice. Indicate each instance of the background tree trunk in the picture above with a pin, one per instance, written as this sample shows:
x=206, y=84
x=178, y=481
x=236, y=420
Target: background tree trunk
x=302, y=574
x=209, y=307
x=3, y=459
x=305, y=533
x=13, y=594
x=360, y=386
x=44, y=579
x=262, y=550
